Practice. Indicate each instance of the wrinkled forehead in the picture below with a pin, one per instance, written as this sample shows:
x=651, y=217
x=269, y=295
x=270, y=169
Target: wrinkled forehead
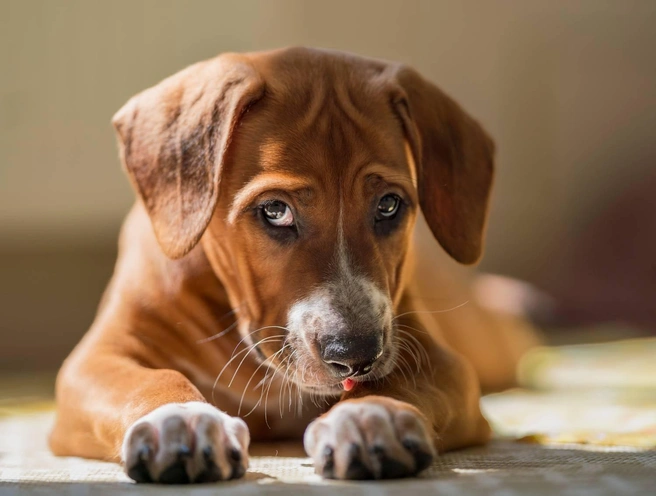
x=325, y=130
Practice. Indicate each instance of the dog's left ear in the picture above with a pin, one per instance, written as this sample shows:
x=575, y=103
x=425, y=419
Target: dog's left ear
x=455, y=162
x=173, y=138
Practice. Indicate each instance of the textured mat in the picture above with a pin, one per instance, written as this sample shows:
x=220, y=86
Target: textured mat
x=566, y=432
x=504, y=468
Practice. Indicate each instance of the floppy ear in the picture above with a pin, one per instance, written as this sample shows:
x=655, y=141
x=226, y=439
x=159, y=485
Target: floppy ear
x=173, y=138
x=454, y=157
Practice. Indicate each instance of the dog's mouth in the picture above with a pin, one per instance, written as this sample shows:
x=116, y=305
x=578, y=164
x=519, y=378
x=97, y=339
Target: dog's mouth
x=347, y=385
x=294, y=360
x=305, y=370
x=330, y=389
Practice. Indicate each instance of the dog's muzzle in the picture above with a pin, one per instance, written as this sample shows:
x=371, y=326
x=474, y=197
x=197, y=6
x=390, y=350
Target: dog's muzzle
x=341, y=331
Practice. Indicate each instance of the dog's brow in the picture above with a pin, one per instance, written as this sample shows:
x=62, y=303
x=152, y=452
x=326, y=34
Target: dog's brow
x=265, y=182
x=393, y=175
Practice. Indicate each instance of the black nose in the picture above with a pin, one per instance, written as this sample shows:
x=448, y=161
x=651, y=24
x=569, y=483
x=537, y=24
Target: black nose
x=351, y=355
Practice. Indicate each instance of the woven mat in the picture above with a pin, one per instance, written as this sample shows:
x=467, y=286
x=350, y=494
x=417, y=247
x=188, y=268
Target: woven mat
x=577, y=438
x=504, y=468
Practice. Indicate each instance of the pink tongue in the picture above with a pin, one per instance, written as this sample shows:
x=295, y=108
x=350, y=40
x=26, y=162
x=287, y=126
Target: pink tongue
x=348, y=384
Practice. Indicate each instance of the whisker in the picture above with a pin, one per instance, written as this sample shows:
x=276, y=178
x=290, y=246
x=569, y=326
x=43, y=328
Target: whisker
x=218, y=335
x=402, y=362
x=287, y=384
x=283, y=388
x=234, y=357
x=255, y=345
x=430, y=311
x=258, y=330
x=224, y=331
x=268, y=389
x=420, y=348
x=243, y=394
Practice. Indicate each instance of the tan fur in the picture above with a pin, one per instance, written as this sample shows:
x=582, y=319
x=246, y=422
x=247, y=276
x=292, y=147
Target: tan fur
x=321, y=129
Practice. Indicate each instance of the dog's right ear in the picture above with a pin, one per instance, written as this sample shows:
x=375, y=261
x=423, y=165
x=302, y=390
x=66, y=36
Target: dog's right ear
x=173, y=138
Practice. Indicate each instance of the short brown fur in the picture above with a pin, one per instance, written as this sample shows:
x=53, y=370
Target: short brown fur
x=191, y=264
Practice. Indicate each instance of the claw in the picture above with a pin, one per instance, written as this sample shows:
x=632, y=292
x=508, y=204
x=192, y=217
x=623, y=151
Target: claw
x=144, y=453
x=174, y=474
x=356, y=469
x=234, y=454
x=139, y=471
x=184, y=452
x=329, y=463
x=422, y=458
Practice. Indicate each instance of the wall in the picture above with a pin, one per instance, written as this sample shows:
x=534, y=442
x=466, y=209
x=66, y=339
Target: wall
x=565, y=87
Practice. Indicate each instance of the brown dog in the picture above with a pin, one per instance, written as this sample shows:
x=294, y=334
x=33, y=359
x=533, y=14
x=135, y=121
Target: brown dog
x=267, y=269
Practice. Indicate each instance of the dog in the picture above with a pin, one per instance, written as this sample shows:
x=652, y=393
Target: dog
x=268, y=284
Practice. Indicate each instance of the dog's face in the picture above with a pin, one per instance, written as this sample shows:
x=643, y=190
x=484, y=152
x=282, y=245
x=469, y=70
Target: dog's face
x=303, y=172
x=314, y=218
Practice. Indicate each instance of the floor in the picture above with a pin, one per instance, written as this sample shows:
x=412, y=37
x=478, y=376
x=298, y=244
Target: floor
x=565, y=432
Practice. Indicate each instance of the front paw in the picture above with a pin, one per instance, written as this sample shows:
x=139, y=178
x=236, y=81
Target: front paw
x=370, y=438
x=179, y=443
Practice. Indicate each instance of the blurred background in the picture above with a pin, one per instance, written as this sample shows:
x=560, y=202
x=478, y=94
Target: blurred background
x=566, y=88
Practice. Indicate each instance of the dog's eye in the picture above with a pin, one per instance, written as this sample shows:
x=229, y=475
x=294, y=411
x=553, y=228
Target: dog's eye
x=388, y=207
x=278, y=214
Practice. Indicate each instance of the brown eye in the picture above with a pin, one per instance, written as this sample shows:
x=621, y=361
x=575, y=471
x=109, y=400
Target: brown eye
x=278, y=213
x=388, y=207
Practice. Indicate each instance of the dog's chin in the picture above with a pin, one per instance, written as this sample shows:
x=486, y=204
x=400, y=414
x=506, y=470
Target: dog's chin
x=322, y=390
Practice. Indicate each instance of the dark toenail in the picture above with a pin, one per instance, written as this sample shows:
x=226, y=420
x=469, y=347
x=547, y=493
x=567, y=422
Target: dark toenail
x=422, y=458
x=235, y=455
x=175, y=474
x=328, y=452
x=356, y=468
x=328, y=470
x=393, y=469
x=212, y=473
x=237, y=471
x=139, y=472
x=184, y=451
x=377, y=450
x=410, y=444
x=328, y=456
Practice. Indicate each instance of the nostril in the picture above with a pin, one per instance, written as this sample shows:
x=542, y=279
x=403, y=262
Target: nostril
x=364, y=367
x=367, y=368
x=344, y=370
x=341, y=369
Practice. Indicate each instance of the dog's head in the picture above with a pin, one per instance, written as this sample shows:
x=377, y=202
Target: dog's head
x=302, y=172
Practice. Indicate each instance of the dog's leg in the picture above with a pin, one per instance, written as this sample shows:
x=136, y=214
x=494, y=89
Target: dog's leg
x=153, y=420
x=394, y=427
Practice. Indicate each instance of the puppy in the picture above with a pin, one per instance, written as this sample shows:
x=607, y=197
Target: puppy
x=264, y=287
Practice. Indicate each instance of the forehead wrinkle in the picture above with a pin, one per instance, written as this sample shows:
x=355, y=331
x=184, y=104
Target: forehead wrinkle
x=261, y=184
x=315, y=109
x=388, y=173
x=349, y=109
x=331, y=122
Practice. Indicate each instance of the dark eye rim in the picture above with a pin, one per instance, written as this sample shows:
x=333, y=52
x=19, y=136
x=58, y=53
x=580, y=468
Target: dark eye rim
x=281, y=234
x=380, y=216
